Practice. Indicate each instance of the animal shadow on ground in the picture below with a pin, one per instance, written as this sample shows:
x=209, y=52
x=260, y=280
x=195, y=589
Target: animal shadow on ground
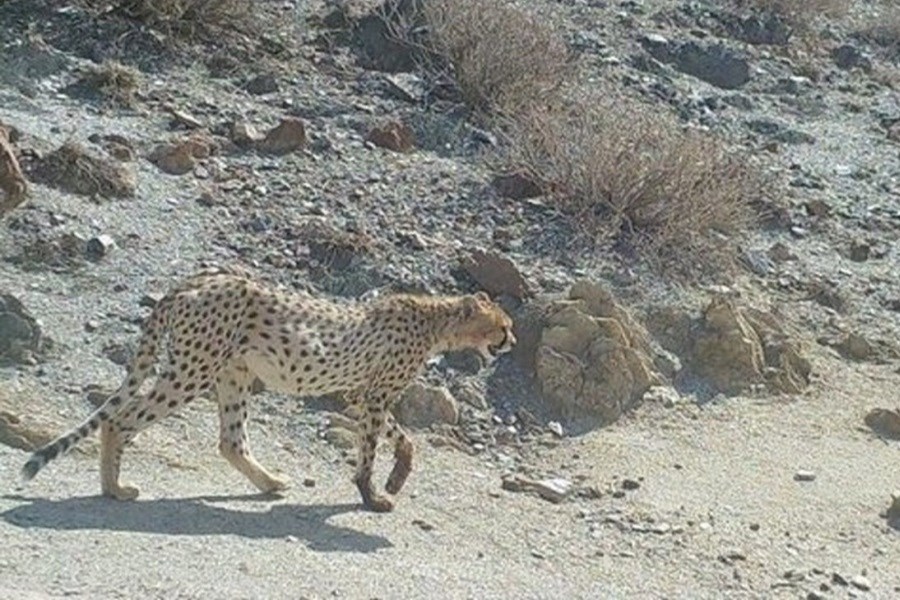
x=196, y=516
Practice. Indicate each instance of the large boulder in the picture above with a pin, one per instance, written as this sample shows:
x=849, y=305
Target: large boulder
x=592, y=358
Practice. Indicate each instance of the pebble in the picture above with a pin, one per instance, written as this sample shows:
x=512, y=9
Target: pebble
x=861, y=582
x=803, y=475
x=630, y=484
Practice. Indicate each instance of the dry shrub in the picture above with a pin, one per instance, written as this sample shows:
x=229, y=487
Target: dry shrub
x=185, y=18
x=113, y=81
x=499, y=56
x=626, y=173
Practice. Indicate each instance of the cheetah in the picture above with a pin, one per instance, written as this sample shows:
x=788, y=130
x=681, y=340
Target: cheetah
x=12, y=181
x=222, y=327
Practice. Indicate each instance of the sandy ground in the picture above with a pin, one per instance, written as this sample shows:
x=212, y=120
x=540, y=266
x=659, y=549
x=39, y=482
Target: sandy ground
x=717, y=512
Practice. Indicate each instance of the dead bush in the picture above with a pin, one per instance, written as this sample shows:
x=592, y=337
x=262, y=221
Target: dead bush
x=112, y=81
x=184, y=18
x=626, y=173
x=499, y=56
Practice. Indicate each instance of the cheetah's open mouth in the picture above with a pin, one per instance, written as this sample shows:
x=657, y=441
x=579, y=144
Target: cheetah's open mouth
x=495, y=350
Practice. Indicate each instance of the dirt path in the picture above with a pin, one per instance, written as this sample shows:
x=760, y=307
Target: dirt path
x=717, y=511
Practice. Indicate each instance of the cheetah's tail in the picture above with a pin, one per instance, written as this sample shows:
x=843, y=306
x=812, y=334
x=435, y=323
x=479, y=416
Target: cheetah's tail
x=138, y=371
x=70, y=439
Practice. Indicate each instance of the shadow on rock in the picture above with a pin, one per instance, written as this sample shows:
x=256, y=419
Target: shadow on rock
x=196, y=516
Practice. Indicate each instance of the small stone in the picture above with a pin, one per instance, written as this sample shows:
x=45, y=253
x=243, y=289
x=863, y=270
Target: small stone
x=815, y=596
x=265, y=83
x=286, y=137
x=556, y=428
x=856, y=347
x=91, y=326
x=118, y=354
x=885, y=422
x=818, y=208
x=185, y=119
x=860, y=251
x=554, y=490
x=804, y=475
x=861, y=582
x=99, y=246
x=664, y=395
x=838, y=579
x=779, y=252
x=180, y=157
x=309, y=482
x=151, y=299
x=340, y=437
x=495, y=273
x=392, y=135
x=422, y=406
x=754, y=526
x=244, y=134
x=893, y=512
x=423, y=525
x=517, y=186
x=630, y=484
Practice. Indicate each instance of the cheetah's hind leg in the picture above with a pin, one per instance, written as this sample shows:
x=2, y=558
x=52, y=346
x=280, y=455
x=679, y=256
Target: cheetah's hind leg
x=233, y=389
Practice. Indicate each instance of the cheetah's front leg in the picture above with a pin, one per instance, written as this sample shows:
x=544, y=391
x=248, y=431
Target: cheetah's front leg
x=403, y=454
x=368, y=428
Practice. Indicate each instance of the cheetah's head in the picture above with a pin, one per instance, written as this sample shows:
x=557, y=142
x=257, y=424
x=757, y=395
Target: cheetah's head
x=483, y=326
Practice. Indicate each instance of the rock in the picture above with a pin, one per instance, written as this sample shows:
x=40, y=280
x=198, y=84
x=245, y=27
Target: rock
x=265, y=83
x=804, y=475
x=517, y=186
x=716, y=64
x=340, y=437
x=73, y=169
x=856, y=347
x=286, y=137
x=860, y=582
x=556, y=429
x=16, y=434
x=859, y=251
x=181, y=157
x=817, y=208
x=99, y=246
x=184, y=119
x=848, y=56
x=779, y=131
x=408, y=87
x=421, y=406
x=244, y=134
x=767, y=28
x=392, y=135
x=496, y=274
x=893, y=512
x=119, y=354
x=151, y=299
x=21, y=338
x=735, y=348
x=592, y=357
x=779, y=252
x=553, y=490
x=629, y=485
x=662, y=394
x=884, y=421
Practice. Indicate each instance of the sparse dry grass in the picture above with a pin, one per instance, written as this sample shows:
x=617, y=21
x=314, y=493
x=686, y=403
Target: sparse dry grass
x=113, y=81
x=884, y=29
x=185, y=18
x=628, y=174
x=499, y=56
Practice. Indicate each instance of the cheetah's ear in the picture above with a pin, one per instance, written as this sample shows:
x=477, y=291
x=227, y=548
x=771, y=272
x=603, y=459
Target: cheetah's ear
x=482, y=297
x=470, y=306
